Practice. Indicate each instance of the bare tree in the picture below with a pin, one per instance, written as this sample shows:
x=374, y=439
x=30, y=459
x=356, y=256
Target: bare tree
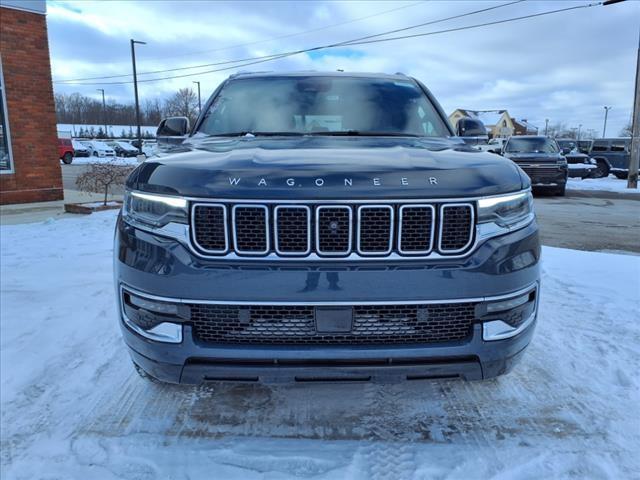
x=102, y=176
x=184, y=103
x=626, y=131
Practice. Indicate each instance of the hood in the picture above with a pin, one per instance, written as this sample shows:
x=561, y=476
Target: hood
x=326, y=168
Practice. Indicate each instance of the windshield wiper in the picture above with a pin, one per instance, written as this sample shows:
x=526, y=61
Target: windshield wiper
x=363, y=133
x=249, y=133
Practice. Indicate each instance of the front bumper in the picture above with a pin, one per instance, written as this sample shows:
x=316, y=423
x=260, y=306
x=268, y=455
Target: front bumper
x=161, y=267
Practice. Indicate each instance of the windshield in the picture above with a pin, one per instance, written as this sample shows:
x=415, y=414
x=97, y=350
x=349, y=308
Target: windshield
x=567, y=144
x=531, y=145
x=323, y=105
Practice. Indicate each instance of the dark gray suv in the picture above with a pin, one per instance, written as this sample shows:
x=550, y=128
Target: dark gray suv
x=325, y=227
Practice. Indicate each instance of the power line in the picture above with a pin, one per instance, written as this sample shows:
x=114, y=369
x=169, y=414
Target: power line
x=291, y=35
x=278, y=56
x=250, y=59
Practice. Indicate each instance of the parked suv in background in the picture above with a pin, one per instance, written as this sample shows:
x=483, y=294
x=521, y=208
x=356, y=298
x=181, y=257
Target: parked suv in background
x=123, y=149
x=580, y=165
x=325, y=227
x=541, y=160
x=612, y=156
x=65, y=150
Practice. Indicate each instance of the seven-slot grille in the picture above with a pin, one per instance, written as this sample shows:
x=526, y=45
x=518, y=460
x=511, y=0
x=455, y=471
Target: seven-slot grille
x=295, y=325
x=371, y=230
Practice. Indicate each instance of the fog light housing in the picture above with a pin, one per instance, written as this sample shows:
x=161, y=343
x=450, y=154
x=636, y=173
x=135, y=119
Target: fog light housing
x=154, y=319
x=506, y=318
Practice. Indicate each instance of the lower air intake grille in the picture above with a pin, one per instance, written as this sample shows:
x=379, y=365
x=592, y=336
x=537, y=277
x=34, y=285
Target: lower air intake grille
x=295, y=325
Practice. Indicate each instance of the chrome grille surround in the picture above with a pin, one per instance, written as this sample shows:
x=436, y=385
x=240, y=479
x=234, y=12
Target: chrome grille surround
x=320, y=235
x=276, y=222
x=238, y=238
x=274, y=208
x=432, y=230
x=194, y=238
x=390, y=229
x=442, y=225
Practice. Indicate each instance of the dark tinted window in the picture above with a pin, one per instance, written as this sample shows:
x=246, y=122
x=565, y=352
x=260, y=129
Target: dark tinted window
x=600, y=146
x=323, y=104
x=531, y=145
x=618, y=146
x=570, y=144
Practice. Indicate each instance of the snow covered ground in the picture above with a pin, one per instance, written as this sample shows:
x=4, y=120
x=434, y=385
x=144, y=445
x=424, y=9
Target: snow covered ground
x=72, y=406
x=125, y=161
x=609, y=184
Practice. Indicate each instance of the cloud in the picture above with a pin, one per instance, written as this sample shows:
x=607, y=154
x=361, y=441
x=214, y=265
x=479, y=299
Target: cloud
x=564, y=67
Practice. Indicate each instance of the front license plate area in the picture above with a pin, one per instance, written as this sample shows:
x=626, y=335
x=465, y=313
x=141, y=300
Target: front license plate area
x=334, y=319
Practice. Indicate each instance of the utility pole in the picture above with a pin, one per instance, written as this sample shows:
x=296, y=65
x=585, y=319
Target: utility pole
x=135, y=89
x=604, y=128
x=579, y=129
x=199, y=101
x=104, y=111
x=634, y=161
x=546, y=126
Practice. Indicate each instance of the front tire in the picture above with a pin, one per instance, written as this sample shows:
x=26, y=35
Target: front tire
x=621, y=175
x=603, y=169
x=67, y=158
x=560, y=191
x=95, y=154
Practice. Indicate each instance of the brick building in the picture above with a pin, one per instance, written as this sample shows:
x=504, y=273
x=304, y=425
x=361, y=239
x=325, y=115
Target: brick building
x=29, y=166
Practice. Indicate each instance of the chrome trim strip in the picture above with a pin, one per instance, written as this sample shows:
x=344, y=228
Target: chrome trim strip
x=359, y=226
x=416, y=253
x=440, y=225
x=193, y=227
x=526, y=324
x=342, y=201
x=235, y=230
x=505, y=296
x=334, y=254
x=277, y=236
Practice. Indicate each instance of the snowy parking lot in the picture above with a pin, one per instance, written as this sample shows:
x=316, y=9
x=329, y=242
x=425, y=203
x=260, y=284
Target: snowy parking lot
x=73, y=407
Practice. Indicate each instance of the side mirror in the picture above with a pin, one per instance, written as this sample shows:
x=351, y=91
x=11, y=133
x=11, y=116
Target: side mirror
x=470, y=127
x=173, y=127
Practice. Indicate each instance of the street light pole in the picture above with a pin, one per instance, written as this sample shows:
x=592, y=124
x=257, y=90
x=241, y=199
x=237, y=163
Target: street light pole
x=604, y=128
x=199, y=101
x=579, y=128
x=546, y=126
x=104, y=111
x=135, y=89
x=634, y=161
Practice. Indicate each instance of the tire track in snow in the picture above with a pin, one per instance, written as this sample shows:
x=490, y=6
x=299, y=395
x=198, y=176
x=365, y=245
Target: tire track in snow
x=387, y=454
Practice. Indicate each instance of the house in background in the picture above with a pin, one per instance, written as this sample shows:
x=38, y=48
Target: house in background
x=498, y=122
x=523, y=127
x=29, y=161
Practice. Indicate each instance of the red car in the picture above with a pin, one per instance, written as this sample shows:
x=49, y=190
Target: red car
x=65, y=150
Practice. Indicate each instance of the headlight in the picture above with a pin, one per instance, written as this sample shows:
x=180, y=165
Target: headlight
x=155, y=211
x=507, y=210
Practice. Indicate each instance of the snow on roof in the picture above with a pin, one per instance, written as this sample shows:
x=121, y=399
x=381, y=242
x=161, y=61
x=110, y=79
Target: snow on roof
x=488, y=117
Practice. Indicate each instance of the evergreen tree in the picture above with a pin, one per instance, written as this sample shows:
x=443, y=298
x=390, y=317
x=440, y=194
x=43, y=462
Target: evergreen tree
x=100, y=133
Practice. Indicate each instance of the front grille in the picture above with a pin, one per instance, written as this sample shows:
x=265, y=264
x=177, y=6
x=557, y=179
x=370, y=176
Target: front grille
x=333, y=230
x=375, y=229
x=540, y=171
x=371, y=230
x=456, y=227
x=293, y=230
x=295, y=325
x=250, y=226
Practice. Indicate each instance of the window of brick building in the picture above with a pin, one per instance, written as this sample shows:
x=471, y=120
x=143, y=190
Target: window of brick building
x=6, y=159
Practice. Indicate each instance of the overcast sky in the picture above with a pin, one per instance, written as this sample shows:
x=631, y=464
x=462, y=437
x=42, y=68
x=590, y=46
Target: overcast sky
x=564, y=67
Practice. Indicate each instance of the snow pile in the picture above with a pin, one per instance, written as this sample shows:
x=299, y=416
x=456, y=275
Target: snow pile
x=609, y=184
x=72, y=406
x=124, y=161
